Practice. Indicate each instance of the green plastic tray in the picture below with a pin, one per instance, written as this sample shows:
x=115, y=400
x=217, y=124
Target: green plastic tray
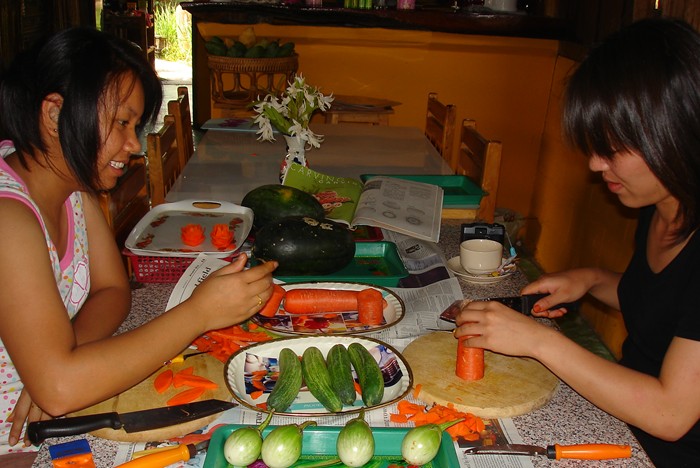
x=459, y=191
x=319, y=443
x=375, y=263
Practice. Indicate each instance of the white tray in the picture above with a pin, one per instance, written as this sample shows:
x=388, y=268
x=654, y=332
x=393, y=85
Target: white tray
x=158, y=232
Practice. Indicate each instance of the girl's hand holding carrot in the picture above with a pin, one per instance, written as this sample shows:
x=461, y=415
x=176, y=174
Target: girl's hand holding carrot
x=231, y=295
x=493, y=326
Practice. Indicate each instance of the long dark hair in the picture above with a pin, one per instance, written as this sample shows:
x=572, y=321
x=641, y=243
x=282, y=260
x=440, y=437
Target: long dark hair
x=640, y=91
x=85, y=67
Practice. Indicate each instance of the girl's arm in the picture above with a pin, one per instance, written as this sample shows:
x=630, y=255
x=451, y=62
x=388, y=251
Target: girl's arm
x=62, y=375
x=666, y=407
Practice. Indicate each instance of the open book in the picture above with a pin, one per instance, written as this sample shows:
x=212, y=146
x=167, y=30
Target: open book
x=405, y=206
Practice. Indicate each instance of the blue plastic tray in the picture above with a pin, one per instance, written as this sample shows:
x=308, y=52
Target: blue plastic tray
x=319, y=443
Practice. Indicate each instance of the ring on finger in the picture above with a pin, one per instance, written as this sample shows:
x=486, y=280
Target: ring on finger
x=259, y=300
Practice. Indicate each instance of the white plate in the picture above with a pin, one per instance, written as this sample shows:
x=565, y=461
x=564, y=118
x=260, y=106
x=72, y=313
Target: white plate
x=157, y=234
x=456, y=268
x=333, y=323
x=238, y=375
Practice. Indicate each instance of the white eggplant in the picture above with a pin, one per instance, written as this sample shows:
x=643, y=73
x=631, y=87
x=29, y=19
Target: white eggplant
x=355, y=444
x=282, y=446
x=422, y=443
x=242, y=446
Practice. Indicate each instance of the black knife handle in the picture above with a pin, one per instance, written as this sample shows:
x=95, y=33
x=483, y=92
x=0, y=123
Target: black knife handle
x=38, y=431
x=528, y=300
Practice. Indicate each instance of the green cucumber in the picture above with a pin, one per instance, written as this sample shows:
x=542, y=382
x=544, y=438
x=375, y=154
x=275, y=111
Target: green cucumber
x=318, y=380
x=369, y=375
x=340, y=370
x=288, y=382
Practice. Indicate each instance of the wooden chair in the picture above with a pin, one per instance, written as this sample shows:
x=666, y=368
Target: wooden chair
x=163, y=159
x=128, y=202
x=180, y=109
x=480, y=160
x=439, y=127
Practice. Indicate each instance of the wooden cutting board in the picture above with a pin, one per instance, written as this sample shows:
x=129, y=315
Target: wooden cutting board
x=144, y=396
x=511, y=385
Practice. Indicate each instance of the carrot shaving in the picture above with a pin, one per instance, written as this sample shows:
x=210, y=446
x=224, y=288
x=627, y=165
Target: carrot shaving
x=191, y=380
x=186, y=396
x=256, y=394
x=358, y=389
x=163, y=380
x=469, y=429
x=222, y=343
x=186, y=371
x=416, y=390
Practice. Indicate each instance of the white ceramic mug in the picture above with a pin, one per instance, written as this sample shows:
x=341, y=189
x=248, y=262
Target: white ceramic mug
x=480, y=256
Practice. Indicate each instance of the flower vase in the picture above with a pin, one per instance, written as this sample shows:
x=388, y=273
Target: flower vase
x=296, y=153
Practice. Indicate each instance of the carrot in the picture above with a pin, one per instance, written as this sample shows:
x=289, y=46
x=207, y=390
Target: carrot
x=256, y=394
x=163, y=380
x=311, y=301
x=470, y=361
x=469, y=429
x=273, y=304
x=187, y=370
x=182, y=380
x=416, y=390
x=186, y=396
x=369, y=307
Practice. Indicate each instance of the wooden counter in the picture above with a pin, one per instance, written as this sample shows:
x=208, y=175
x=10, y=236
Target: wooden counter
x=427, y=18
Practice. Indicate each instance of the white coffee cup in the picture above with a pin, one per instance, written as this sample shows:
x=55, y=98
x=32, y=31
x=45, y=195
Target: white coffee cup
x=480, y=256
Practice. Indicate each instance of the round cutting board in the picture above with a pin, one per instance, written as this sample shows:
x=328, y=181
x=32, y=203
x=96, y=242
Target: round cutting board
x=511, y=386
x=144, y=396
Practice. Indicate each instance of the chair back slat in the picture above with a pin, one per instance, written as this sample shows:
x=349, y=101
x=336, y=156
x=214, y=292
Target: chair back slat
x=439, y=127
x=163, y=156
x=180, y=109
x=480, y=159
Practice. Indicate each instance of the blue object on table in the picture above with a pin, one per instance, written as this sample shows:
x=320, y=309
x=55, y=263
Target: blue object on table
x=67, y=449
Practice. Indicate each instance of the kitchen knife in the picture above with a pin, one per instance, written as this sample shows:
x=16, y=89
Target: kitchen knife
x=135, y=421
x=556, y=451
x=522, y=304
x=163, y=458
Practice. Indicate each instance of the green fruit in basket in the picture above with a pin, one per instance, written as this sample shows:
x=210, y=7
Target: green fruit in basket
x=274, y=201
x=272, y=49
x=233, y=52
x=215, y=48
x=240, y=48
x=286, y=49
x=255, y=52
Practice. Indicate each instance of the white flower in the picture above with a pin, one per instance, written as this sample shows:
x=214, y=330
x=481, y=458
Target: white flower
x=291, y=112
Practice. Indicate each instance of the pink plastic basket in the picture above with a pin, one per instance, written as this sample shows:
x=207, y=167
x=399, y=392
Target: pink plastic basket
x=158, y=269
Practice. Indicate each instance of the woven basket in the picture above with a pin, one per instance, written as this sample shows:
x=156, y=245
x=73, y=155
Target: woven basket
x=237, y=82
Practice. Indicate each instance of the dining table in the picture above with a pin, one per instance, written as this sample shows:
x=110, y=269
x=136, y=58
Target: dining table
x=227, y=164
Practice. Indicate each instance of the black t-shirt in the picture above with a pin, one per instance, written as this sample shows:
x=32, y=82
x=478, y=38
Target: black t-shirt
x=657, y=307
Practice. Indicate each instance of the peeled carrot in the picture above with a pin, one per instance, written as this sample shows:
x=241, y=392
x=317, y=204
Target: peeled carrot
x=469, y=429
x=186, y=396
x=180, y=380
x=163, y=380
x=313, y=301
x=369, y=307
x=470, y=361
x=273, y=304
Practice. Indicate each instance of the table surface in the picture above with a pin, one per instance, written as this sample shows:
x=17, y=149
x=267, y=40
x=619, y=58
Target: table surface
x=566, y=419
x=227, y=164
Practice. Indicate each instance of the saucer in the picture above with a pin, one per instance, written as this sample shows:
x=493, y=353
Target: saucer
x=456, y=268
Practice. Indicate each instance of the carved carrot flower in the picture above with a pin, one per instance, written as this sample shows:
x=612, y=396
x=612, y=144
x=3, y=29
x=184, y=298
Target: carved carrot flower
x=221, y=236
x=192, y=234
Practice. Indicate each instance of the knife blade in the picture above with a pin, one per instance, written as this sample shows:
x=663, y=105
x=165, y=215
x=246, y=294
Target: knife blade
x=556, y=451
x=522, y=304
x=135, y=421
x=167, y=457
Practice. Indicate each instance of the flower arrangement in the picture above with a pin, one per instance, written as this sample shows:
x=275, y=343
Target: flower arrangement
x=291, y=112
